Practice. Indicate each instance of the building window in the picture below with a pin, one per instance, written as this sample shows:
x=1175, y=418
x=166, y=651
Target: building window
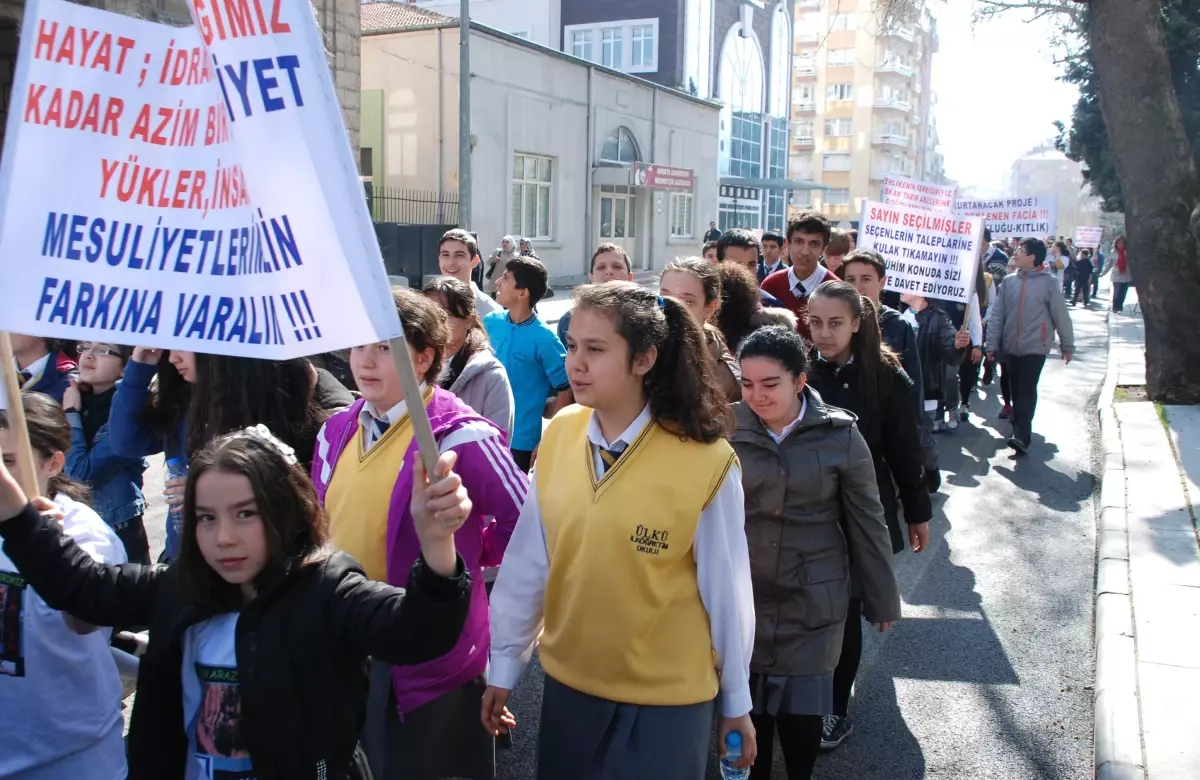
x=802, y=199
x=839, y=92
x=366, y=162
x=643, y=55
x=742, y=86
x=604, y=44
x=532, y=190
x=837, y=197
x=745, y=157
x=840, y=57
x=836, y=162
x=620, y=147
x=682, y=216
x=804, y=131
x=618, y=209
x=841, y=22
x=744, y=214
x=777, y=163
x=839, y=128
x=610, y=47
x=582, y=45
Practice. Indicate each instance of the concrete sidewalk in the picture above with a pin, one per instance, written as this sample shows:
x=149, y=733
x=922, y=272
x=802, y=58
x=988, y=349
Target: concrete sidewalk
x=1148, y=576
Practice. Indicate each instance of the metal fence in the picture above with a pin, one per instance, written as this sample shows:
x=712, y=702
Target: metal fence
x=397, y=206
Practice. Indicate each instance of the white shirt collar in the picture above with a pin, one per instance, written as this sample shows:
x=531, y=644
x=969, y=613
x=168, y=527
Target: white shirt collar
x=370, y=412
x=37, y=368
x=792, y=425
x=809, y=284
x=596, y=437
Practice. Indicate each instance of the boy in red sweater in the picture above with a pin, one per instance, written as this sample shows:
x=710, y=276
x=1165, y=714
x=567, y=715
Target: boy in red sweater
x=807, y=237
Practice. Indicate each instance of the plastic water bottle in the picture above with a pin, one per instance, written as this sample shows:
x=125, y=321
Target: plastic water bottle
x=176, y=467
x=733, y=753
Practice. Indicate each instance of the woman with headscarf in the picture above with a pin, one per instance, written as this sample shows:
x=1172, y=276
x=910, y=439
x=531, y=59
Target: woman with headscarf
x=499, y=259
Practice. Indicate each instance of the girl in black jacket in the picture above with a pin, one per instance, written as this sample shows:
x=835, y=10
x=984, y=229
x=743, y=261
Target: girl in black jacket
x=270, y=630
x=853, y=369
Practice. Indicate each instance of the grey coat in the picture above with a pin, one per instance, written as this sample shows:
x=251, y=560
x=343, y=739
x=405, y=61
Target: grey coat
x=813, y=519
x=483, y=386
x=1029, y=307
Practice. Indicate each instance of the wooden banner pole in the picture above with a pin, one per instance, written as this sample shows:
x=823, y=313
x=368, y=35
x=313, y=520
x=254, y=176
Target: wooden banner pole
x=16, y=417
x=418, y=415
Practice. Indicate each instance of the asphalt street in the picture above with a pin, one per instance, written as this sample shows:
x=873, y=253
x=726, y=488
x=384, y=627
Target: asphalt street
x=989, y=673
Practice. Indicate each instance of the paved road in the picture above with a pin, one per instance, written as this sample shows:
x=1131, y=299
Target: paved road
x=989, y=673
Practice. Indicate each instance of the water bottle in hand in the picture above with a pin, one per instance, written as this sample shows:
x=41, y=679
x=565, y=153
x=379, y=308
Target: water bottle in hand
x=733, y=754
x=176, y=467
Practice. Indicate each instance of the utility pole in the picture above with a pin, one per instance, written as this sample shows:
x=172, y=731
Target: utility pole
x=464, y=114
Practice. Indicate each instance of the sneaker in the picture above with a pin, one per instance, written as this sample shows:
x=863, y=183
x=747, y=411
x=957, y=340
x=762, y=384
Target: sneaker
x=1018, y=445
x=964, y=413
x=837, y=729
x=1006, y=412
x=939, y=426
x=952, y=423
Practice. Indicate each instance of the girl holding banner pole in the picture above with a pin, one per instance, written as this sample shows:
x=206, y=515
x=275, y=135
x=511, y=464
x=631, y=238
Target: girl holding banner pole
x=269, y=628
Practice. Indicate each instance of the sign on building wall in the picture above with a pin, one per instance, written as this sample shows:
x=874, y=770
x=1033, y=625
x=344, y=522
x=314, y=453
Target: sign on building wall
x=927, y=253
x=1088, y=236
x=660, y=177
x=903, y=191
x=1031, y=217
x=185, y=188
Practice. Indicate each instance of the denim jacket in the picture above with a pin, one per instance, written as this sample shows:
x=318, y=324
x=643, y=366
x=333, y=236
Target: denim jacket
x=116, y=482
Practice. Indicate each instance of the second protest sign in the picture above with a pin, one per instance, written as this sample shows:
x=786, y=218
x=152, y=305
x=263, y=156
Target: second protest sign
x=927, y=253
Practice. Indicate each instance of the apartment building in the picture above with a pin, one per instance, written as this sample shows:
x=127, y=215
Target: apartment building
x=861, y=104
x=738, y=52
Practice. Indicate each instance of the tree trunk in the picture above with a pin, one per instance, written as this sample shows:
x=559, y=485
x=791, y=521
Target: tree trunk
x=1158, y=174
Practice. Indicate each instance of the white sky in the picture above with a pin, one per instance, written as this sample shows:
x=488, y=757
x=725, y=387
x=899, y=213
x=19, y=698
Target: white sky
x=997, y=91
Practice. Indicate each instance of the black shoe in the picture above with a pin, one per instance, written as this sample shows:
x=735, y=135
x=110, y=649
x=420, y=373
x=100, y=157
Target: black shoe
x=1018, y=445
x=837, y=730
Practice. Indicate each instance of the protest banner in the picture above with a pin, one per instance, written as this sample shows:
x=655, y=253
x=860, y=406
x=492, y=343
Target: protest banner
x=903, y=191
x=187, y=188
x=1088, y=236
x=1035, y=217
x=926, y=253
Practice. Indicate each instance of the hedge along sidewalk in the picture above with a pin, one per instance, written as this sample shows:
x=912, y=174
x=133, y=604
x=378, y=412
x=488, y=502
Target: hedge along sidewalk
x=1148, y=577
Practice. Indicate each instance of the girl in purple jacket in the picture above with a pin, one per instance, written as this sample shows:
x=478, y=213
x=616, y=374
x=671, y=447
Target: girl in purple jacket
x=422, y=721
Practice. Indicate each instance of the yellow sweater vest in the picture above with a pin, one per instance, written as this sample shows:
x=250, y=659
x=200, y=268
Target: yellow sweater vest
x=624, y=619
x=360, y=495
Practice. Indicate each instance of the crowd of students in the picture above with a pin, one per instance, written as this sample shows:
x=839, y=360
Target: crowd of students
x=732, y=462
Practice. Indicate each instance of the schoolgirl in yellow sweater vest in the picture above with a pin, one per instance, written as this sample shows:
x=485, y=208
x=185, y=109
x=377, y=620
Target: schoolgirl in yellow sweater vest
x=631, y=551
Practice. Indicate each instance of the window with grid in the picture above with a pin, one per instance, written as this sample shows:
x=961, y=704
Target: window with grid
x=840, y=57
x=582, y=45
x=746, y=145
x=642, y=41
x=839, y=197
x=804, y=130
x=610, y=47
x=835, y=92
x=682, y=215
x=839, y=128
x=777, y=161
x=532, y=191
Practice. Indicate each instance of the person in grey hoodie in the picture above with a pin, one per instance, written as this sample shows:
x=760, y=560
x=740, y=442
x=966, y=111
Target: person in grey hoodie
x=471, y=372
x=1026, y=311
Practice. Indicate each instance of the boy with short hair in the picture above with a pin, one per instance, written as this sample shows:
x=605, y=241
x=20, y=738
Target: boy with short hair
x=836, y=250
x=531, y=352
x=807, y=237
x=772, y=255
x=709, y=252
x=458, y=256
x=609, y=263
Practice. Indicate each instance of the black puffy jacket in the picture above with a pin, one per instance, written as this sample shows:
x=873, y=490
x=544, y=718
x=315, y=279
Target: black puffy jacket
x=302, y=646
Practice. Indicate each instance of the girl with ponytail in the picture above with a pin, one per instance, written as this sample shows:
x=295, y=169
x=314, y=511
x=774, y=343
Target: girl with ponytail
x=631, y=550
x=852, y=368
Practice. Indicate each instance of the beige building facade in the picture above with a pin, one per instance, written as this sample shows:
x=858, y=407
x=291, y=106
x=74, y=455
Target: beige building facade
x=862, y=104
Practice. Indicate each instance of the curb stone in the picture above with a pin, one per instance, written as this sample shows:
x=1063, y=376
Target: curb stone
x=1118, y=729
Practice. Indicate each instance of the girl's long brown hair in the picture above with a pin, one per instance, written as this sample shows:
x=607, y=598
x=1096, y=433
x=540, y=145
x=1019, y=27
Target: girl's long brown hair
x=682, y=388
x=49, y=432
x=876, y=360
x=459, y=303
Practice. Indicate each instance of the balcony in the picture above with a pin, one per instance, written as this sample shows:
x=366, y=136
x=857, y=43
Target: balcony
x=903, y=33
x=895, y=104
x=805, y=70
x=805, y=106
x=808, y=38
x=803, y=142
x=804, y=176
x=896, y=68
x=892, y=139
